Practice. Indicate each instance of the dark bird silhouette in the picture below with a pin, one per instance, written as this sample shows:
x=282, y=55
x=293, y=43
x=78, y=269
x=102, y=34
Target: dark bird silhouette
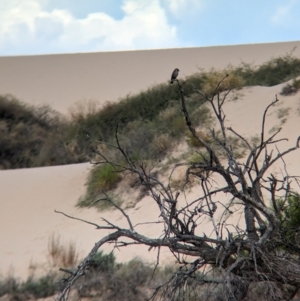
x=174, y=75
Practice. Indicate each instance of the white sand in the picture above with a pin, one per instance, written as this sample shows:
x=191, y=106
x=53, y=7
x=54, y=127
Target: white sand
x=29, y=196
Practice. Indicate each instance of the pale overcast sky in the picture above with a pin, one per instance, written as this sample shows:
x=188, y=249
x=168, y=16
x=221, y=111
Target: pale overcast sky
x=30, y=27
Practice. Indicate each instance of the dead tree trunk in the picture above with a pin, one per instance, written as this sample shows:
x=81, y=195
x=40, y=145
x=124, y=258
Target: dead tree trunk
x=255, y=254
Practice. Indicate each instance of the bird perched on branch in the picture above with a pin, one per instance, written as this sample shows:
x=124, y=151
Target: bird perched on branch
x=174, y=75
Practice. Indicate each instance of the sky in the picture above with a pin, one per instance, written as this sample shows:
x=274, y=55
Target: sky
x=31, y=27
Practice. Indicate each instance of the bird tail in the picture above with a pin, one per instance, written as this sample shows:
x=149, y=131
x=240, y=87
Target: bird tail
x=171, y=82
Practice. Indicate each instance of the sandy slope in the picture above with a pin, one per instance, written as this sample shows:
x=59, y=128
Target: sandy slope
x=28, y=200
x=29, y=196
x=245, y=116
x=61, y=80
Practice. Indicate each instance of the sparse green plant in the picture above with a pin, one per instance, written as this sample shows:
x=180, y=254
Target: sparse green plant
x=103, y=262
x=133, y=280
x=289, y=210
x=283, y=112
x=102, y=201
x=212, y=78
x=177, y=183
x=290, y=89
x=193, y=142
x=273, y=72
x=8, y=285
x=39, y=288
x=274, y=129
x=237, y=146
x=104, y=177
x=255, y=140
x=32, y=288
x=198, y=157
x=106, y=277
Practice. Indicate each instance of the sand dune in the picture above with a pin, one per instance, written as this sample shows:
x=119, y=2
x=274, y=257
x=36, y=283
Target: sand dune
x=29, y=196
x=61, y=80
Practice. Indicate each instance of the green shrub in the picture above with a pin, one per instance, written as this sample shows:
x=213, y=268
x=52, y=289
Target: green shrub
x=133, y=280
x=8, y=285
x=32, y=136
x=103, y=262
x=40, y=288
x=212, y=79
x=40, y=136
x=197, y=158
x=273, y=72
x=145, y=105
x=104, y=177
x=289, y=213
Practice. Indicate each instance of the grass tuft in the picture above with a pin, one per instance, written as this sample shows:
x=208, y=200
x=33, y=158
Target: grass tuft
x=61, y=255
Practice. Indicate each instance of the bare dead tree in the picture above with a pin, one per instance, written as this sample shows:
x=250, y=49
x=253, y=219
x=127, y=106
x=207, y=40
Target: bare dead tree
x=231, y=257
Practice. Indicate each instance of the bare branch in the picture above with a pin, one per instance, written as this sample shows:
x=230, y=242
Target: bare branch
x=82, y=220
x=200, y=231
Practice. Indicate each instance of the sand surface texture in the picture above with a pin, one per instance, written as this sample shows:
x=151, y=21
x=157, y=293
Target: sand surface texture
x=61, y=80
x=29, y=196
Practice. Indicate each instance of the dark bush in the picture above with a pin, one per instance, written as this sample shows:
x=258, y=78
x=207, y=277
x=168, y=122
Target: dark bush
x=41, y=288
x=32, y=136
x=30, y=289
x=103, y=262
x=271, y=73
x=290, y=89
x=40, y=136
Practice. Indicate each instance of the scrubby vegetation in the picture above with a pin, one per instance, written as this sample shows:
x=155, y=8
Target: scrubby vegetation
x=33, y=137
x=275, y=71
x=150, y=125
x=290, y=89
x=106, y=280
x=290, y=219
x=31, y=288
x=225, y=236
x=136, y=280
